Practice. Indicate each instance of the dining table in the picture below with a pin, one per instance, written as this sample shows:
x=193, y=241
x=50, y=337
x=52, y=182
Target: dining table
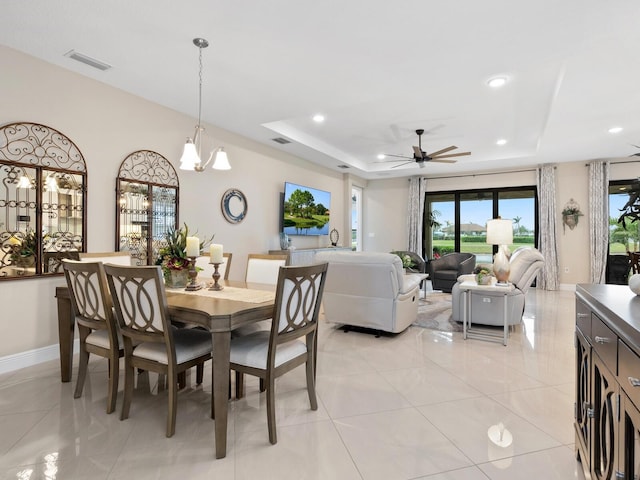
x=220, y=312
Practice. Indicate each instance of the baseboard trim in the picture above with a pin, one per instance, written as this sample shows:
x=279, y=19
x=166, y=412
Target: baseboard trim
x=30, y=358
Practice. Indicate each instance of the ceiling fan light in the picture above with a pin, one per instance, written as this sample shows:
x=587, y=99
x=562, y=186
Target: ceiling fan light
x=190, y=157
x=222, y=161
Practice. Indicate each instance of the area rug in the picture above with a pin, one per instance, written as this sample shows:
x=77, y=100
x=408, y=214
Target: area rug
x=434, y=312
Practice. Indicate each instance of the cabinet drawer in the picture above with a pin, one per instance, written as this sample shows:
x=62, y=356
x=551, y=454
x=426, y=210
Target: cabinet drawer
x=605, y=343
x=629, y=372
x=583, y=318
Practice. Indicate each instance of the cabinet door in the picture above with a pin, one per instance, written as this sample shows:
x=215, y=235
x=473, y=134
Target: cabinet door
x=584, y=408
x=606, y=406
x=630, y=439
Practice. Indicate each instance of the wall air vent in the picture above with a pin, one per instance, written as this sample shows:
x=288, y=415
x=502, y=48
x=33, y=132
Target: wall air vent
x=344, y=167
x=92, y=62
x=281, y=141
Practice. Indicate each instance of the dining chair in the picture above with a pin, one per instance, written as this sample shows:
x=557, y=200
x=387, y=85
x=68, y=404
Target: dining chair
x=117, y=258
x=97, y=327
x=292, y=339
x=263, y=268
x=150, y=342
x=207, y=268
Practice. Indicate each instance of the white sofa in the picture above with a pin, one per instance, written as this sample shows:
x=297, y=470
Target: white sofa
x=486, y=309
x=369, y=290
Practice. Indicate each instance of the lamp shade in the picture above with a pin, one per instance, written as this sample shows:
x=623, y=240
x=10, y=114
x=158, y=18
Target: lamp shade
x=221, y=162
x=500, y=231
x=190, y=157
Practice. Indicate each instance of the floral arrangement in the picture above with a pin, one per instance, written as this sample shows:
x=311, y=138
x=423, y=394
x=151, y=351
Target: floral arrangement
x=483, y=275
x=25, y=247
x=173, y=256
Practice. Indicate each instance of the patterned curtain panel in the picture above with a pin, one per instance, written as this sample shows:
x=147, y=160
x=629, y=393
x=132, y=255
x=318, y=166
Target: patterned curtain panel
x=598, y=220
x=548, y=278
x=415, y=214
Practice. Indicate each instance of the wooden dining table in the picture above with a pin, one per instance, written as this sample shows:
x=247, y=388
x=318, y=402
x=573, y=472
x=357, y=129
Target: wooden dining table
x=217, y=314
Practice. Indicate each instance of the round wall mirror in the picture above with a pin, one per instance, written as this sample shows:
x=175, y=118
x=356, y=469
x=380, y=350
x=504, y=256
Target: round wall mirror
x=234, y=205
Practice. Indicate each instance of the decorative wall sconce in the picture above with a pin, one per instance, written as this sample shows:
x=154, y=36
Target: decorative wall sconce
x=570, y=215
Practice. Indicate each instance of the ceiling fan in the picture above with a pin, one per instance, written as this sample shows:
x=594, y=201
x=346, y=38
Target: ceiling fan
x=420, y=156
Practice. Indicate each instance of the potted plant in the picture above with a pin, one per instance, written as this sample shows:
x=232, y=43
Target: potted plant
x=173, y=259
x=483, y=275
x=570, y=214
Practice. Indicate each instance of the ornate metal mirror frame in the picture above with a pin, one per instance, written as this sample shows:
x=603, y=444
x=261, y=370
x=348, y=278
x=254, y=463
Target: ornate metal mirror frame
x=43, y=177
x=147, y=196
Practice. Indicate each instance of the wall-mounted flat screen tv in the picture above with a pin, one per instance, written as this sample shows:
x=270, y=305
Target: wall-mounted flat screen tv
x=305, y=210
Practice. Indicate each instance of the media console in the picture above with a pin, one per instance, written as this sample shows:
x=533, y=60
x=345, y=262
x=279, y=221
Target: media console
x=607, y=408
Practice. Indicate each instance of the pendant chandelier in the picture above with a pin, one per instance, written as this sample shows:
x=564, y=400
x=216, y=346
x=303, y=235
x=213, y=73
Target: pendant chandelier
x=191, y=159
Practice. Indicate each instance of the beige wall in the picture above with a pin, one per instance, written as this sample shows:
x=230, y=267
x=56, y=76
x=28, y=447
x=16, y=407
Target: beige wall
x=108, y=124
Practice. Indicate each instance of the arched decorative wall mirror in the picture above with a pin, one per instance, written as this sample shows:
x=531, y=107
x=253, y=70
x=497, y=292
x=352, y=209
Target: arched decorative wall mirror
x=147, y=196
x=43, y=178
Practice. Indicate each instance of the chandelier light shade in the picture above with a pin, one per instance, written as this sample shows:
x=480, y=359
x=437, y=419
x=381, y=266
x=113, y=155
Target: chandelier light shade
x=24, y=182
x=500, y=232
x=191, y=158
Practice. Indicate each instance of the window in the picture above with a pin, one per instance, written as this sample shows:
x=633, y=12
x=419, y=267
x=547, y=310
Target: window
x=43, y=200
x=457, y=221
x=621, y=239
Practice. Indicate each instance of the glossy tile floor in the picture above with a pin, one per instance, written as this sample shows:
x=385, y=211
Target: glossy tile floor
x=422, y=404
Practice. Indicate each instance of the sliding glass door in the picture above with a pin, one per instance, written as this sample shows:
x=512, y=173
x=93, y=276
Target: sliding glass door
x=457, y=221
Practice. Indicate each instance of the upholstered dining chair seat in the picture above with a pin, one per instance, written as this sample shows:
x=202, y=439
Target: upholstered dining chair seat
x=190, y=343
x=252, y=350
x=100, y=338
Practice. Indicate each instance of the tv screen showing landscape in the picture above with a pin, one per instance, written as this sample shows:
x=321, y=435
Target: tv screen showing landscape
x=305, y=210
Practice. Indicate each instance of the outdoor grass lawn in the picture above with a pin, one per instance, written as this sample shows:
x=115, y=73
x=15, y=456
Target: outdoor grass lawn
x=475, y=247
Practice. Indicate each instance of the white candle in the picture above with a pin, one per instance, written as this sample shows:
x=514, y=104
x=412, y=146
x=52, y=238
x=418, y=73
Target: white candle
x=215, y=252
x=193, y=246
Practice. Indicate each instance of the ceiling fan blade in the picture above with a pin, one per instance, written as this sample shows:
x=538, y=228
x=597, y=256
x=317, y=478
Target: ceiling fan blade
x=405, y=163
x=444, y=150
x=461, y=154
x=417, y=152
x=399, y=156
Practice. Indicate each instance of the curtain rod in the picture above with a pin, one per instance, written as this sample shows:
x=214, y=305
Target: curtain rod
x=616, y=163
x=482, y=174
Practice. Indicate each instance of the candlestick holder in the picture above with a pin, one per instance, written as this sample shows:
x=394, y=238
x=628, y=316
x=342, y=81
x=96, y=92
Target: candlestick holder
x=193, y=273
x=216, y=276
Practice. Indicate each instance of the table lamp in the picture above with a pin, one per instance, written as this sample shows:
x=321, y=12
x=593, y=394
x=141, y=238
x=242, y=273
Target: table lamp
x=500, y=232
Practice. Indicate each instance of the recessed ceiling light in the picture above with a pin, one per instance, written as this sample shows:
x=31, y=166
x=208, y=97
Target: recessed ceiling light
x=615, y=129
x=381, y=156
x=497, y=82
x=318, y=118
x=501, y=141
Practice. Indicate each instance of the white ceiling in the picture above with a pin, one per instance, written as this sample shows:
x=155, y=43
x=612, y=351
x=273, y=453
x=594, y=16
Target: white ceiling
x=377, y=70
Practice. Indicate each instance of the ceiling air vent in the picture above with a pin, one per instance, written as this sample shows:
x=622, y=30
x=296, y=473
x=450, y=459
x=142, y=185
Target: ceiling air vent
x=343, y=166
x=92, y=62
x=281, y=141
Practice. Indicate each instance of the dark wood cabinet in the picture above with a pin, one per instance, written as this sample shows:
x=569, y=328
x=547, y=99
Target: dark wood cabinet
x=607, y=415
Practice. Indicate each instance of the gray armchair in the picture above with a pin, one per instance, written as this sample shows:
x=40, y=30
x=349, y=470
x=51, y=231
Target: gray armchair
x=444, y=271
x=486, y=309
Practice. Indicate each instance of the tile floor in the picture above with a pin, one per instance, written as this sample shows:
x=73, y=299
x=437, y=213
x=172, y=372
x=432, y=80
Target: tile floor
x=418, y=405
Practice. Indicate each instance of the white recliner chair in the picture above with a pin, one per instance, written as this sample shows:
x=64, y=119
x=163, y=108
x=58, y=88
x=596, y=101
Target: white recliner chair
x=486, y=309
x=369, y=290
